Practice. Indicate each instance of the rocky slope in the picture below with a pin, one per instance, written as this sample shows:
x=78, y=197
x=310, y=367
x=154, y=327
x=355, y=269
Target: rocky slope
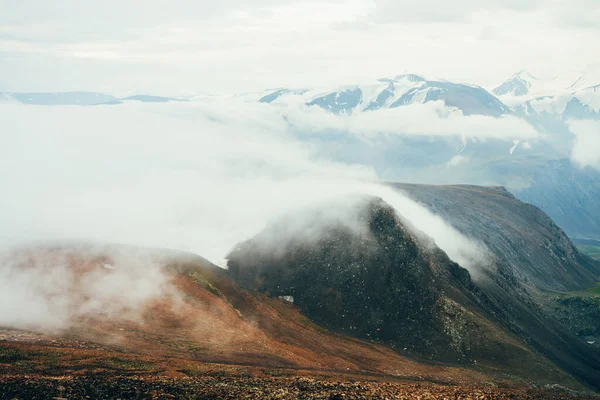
x=534, y=258
x=527, y=243
x=381, y=283
x=203, y=315
x=198, y=333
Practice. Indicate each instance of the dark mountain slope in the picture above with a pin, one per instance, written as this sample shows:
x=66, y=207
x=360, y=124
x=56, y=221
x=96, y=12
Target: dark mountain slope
x=527, y=243
x=533, y=257
x=382, y=284
x=385, y=284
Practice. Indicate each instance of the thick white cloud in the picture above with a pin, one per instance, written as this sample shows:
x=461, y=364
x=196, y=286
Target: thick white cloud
x=152, y=174
x=197, y=176
x=457, y=160
x=51, y=289
x=586, y=145
x=428, y=119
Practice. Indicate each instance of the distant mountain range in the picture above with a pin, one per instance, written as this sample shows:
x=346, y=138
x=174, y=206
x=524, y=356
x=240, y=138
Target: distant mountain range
x=522, y=94
x=538, y=172
x=525, y=84
x=78, y=98
x=403, y=90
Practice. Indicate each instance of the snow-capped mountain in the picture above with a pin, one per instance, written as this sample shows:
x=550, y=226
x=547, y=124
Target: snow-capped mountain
x=528, y=170
x=550, y=113
x=517, y=85
x=403, y=90
x=549, y=103
x=524, y=87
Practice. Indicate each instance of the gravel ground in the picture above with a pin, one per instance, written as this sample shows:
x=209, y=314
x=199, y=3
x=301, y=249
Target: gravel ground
x=103, y=386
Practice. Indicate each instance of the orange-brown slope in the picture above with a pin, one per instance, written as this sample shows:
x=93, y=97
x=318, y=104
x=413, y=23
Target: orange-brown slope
x=204, y=316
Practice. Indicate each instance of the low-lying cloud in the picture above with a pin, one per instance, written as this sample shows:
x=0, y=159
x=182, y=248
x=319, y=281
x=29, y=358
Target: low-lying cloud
x=52, y=288
x=429, y=119
x=198, y=176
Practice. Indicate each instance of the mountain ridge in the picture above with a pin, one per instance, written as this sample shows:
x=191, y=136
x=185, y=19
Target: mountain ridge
x=509, y=293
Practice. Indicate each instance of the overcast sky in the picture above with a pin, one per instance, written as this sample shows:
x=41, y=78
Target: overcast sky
x=185, y=47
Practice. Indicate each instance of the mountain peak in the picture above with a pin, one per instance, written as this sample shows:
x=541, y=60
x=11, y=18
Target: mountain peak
x=517, y=85
x=410, y=77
